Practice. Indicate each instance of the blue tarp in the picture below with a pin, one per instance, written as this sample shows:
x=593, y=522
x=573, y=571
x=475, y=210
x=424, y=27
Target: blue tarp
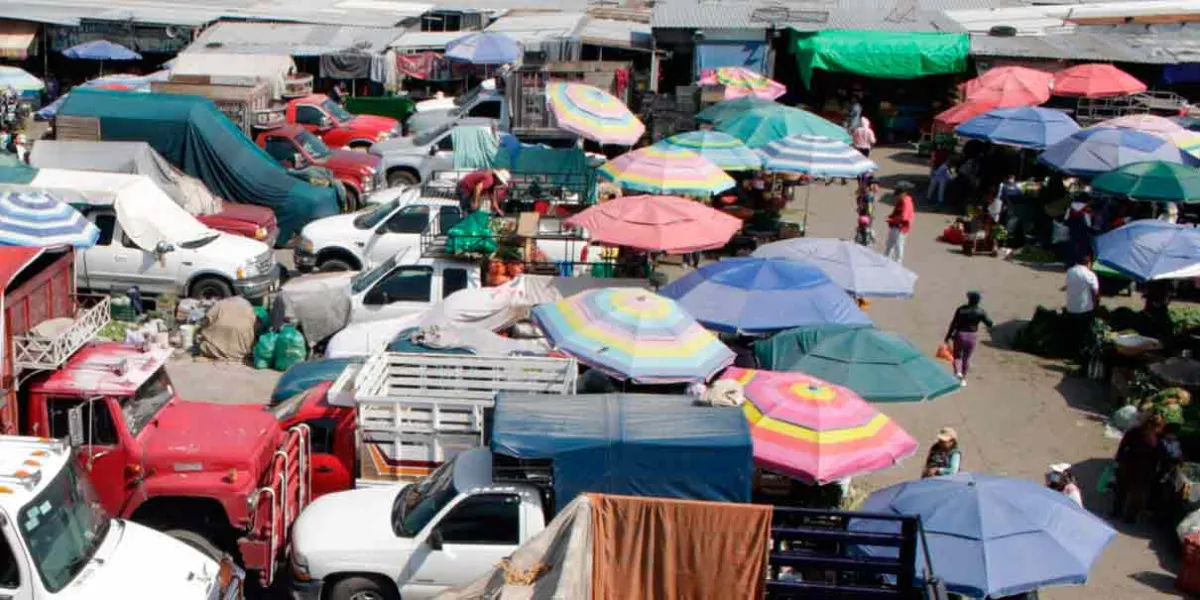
x=630, y=444
x=307, y=374
x=714, y=55
x=1181, y=73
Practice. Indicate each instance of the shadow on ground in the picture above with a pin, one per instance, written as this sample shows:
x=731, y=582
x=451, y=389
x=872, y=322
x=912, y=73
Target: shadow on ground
x=1081, y=393
x=1004, y=334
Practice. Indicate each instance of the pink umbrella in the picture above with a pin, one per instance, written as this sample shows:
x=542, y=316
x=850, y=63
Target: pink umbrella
x=807, y=428
x=1095, y=80
x=1010, y=87
x=740, y=82
x=657, y=223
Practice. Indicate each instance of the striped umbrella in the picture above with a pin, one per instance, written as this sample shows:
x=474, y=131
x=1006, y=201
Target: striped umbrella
x=740, y=82
x=722, y=149
x=659, y=170
x=592, y=113
x=1168, y=129
x=633, y=334
x=19, y=79
x=727, y=109
x=760, y=126
x=39, y=219
x=816, y=431
x=815, y=156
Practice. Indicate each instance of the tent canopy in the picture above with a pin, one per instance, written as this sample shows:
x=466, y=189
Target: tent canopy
x=885, y=55
x=236, y=69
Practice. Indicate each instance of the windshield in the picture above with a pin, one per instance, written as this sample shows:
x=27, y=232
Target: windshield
x=467, y=98
x=371, y=218
x=336, y=110
x=365, y=279
x=313, y=145
x=420, y=502
x=146, y=401
x=424, y=139
x=62, y=527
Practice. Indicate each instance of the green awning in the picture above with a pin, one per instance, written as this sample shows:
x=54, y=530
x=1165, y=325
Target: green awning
x=885, y=55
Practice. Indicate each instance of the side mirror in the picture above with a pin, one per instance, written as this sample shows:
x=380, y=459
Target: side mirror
x=435, y=540
x=297, y=160
x=75, y=425
x=163, y=248
x=433, y=150
x=326, y=123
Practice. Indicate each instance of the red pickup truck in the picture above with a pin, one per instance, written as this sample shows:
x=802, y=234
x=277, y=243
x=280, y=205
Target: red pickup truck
x=296, y=148
x=339, y=128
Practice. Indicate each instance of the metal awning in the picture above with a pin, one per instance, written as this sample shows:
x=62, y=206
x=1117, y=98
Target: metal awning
x=15, y=39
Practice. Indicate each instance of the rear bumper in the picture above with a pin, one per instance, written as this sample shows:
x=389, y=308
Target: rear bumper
x=258, y=287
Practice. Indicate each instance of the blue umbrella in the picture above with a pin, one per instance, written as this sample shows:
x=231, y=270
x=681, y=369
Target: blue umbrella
x=815, y=156
x=993, y=536
x=1023, y=127
x=855, y=268
x=101, y=50
x=1148, y=250
x=759, y=295
x=38, y=219
x=1093, y=151
x=722, y=149
x=484, y=48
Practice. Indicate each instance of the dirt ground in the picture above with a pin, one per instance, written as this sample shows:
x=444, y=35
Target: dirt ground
x=1018, y=414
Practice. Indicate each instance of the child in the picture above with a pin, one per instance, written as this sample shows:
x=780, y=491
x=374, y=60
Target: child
x=865, y=209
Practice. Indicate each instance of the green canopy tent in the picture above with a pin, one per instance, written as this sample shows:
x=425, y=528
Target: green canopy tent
x=881, y=54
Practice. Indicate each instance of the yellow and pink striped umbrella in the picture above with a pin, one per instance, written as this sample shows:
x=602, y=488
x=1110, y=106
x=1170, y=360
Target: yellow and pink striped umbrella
x=666, y=170
x=740, y=82
x=592, y=113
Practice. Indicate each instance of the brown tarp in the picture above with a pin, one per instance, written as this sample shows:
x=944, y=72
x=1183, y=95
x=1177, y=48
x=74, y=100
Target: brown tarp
x=229, y=331
x=652, y=548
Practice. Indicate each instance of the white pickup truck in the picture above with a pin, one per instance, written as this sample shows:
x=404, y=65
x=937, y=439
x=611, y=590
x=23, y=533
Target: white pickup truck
x=54, y=543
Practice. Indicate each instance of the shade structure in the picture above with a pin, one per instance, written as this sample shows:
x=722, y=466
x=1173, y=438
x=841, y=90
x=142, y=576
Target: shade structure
x=1153, y=181
x=484, y=48
x=19, y=79
x=592, y=113
x=1095, y=80
x=1097, y=150
x=857, y=269
x=38, y=219
x=1148, y=250
x=760, y=126
x=960, y=113
x=633, y=334
x=1023, y=127
x=815, y=156
x=759, y=295
x=731, y=108
x=1147, y=123
x=1009, y=87
x=878, y=365
x=993, y=536
x=740, y=82
x=657, y=223
x=101, y=50
x=816, y=431
x=659, y=170
x=722, y=149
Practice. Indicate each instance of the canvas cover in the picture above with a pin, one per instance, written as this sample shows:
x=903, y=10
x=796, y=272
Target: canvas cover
x=318, y=303
x=195, y=136
x=497, y=308
x=133, y=158
x=307, y=374
x=236, y=69
x=881, y=54
x=228, y=332
x=632, y=444
x=365, y=339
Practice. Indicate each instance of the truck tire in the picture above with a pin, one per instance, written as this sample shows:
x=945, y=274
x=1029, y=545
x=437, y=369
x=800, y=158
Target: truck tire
x=352, y=201
x=331, y=265
x=206, y=288
x=401, y=177
x=360, y=588
x=199, y=542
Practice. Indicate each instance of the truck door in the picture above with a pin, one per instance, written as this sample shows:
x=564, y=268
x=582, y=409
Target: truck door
x=472, y=536
x=15, y=583
x=309, y=117
x=400, y=231
x=332, y=454
x=443, y=158
x=99, y=451
x=285, y=152
x=154, y=273
x=96, y=267
x=406, y=290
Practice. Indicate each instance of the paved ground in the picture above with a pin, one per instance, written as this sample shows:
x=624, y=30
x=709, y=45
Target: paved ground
x=1019, y=413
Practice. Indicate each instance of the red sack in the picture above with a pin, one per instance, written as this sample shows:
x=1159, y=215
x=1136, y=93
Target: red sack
x=944, y=353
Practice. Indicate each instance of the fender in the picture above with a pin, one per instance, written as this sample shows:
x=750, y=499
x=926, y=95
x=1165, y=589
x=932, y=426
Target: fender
x=200, y=485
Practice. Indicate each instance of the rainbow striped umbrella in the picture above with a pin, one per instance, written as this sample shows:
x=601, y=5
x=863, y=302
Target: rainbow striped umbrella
x=660, y=170
x=740, y=82
x=815, y=431
x=722, y=149
x=592, y=113
x=633, y=334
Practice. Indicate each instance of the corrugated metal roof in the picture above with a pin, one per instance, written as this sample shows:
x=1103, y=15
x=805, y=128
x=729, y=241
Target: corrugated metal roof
x=1037, y=20
x=364, y=13
x=620, y=34
x=532, y=29
x=426, y=40
x=1169, y=47
x=815, y=15
x=292, y=39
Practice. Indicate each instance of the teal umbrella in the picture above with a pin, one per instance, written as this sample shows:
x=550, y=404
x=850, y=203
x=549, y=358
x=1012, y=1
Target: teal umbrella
x=724, y=150
x=760, y=126
x=1152, y=181
x=731, y=108
x=878, y=365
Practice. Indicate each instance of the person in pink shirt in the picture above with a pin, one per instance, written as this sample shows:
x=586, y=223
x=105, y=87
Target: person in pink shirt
x=900, y=222
x=862, y=137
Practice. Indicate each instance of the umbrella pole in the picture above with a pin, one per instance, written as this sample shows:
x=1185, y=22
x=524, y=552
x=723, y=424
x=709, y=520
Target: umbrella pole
x=807, y=195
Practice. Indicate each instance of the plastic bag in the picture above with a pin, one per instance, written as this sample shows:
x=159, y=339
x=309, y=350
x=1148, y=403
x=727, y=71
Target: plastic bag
x=944, y=352
x=264, y=350
x=472, y=235
x=1106, y=479
x=290, y=348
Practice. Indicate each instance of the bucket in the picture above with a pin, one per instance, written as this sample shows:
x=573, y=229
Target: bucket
x=187, y=336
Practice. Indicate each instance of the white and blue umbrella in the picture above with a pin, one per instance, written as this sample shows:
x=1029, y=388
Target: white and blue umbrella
x=857, y=269
x=38, y=219
x=484, y=48
x=1147, y=250
x=815, y=156
x=101, y=50
x=19, y=79
x=1098, y=150
x=1024, y=127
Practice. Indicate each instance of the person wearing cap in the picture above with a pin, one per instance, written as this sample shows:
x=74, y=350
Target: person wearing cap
x=963, y=333
x=900, y=222
x=492, y=182
x=1060, y=479
x=944, y=456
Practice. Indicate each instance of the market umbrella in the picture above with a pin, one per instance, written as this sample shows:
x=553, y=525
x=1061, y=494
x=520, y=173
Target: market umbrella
x=1023, y=127
x=484, y=48
x=659, y=170
x=992, y=536
x=1153, y=181
x=19, y=79
x=857, y=269
x=1094, y=80
x=731, y=108
x=722, y=149
x=960, y=113
x=760, y=126
x=38, y=219
x=760, y=295
x=878, y=365
x=1097, y=150
x=1168, y=129
x=815, y=431
x=740, y=82
x=657, y=223
x=592, y=113
x=815, y=156
x=101, y=50
x=633, y=334
x=1148, y=250
x=1008, y=87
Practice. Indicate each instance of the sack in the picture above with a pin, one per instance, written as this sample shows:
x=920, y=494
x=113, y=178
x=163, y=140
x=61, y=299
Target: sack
x=290, y=348
x=264, y=350
x=944, y=352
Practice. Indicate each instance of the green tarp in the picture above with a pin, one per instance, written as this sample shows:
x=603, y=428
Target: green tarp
x=552, y=167
x=16, y=172
x=886, y=55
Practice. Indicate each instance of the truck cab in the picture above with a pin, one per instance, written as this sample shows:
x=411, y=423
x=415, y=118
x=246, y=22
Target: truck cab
x=484, y=101
x=407, y=284
x=414, y=159
x=56, y=542
x=338, y=127
x=296, y=148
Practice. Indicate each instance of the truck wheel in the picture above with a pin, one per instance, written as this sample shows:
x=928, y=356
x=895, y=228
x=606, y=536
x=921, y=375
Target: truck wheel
x=211, y=288
x=352, y=201
x=399, y=178
x=331, y=265
x=198, y=542
x=360, y=588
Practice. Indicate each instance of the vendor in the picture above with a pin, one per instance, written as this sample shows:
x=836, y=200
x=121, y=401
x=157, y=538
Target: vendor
x=490, y=182
x=1060, y=479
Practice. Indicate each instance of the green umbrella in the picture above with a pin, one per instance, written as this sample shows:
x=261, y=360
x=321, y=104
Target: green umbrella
x=731, y=108
x=1153, y=181
x=877, y=365
x=760, y=126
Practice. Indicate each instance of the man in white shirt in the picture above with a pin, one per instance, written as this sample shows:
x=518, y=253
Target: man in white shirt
x=1083, y=294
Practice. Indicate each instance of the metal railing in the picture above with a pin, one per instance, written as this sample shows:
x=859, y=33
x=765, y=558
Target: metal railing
x=32, y=351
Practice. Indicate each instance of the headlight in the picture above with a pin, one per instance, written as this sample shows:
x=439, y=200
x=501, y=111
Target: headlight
x=305, y=245
x=260, y=233
x=367, y=182
x=300, y=567
x=384, y=135
x=247, y=270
